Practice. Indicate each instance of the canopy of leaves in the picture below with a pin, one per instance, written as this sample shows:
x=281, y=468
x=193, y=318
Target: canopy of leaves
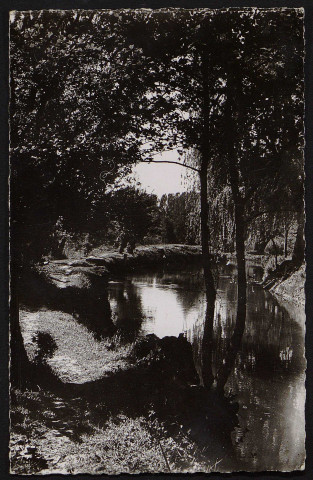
x=92, y=92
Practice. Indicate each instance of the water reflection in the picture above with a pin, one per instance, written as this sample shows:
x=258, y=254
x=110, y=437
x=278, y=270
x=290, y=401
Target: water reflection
x=127, y=308
x=160, y=304
x=268, y=375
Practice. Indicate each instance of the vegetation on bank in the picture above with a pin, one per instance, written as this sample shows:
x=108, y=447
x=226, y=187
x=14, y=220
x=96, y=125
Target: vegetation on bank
x=100, y=444
x=291, y=286
x=76, y=356
x=85, y=425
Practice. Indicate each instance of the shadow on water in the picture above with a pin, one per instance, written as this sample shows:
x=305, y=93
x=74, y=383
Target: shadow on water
x=235, y=341
x=127, y=309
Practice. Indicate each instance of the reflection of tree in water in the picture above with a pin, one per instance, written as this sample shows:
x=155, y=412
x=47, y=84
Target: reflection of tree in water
x=246, y=327
x=221, y=342
x=269, y=357
x=190, y=286
x=188, y=298
x=127, y=310
x=265, y=340
x=223, y=329
x=270, y=340
x=213, y=337
x=266, y=347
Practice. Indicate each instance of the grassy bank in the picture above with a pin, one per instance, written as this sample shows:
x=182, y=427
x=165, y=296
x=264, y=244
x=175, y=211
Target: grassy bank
x=119, y=408
x=101, y=418
x=77, y=356
x=95, y=444
x=291, y=288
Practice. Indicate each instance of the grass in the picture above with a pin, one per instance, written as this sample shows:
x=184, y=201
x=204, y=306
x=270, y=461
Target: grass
x=288, y=284
x=116, y=444
x=292, y=288
x=78, y=357
x=65, y=434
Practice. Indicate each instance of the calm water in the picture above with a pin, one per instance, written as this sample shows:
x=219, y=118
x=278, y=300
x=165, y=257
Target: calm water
x=268, y=376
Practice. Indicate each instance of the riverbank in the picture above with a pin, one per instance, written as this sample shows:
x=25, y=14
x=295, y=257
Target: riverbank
x=77, y=356
x=287, y=284
x=53, y=435
x=144, y=256
x=292, y=288
x=120, y=408
x=103, y=263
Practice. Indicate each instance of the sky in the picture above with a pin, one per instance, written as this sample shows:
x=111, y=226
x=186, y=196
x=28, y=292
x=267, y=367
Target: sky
x=161, y=178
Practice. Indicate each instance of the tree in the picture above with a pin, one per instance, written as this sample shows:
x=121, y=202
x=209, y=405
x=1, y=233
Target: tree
x=68, y=137
x=134, y=210
x=261, y=121
x=178, y=222
x=70, y=134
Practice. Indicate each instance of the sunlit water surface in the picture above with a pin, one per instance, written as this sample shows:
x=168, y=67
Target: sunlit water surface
x=268, y=376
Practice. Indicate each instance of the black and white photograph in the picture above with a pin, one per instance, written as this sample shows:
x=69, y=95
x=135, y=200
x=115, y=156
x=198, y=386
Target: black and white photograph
x=157, y=249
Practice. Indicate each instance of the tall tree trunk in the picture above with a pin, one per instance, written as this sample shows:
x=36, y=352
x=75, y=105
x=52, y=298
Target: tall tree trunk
x=20, y=365
x=233, y=170
x=207, y=342
x=205, y=235
x=299, y=247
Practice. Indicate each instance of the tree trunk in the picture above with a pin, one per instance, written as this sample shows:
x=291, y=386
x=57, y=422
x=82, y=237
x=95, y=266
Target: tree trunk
x=236, y=339
x=233, y=171
x=286, y=242
x=207, y=342
x=299, y=247
x=205, y=236
x=23, y=372
x=20, y=366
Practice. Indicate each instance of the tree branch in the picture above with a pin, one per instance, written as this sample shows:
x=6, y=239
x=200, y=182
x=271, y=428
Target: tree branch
x=170, y=161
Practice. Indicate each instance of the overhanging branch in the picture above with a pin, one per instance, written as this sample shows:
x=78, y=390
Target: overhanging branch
x=170, y=161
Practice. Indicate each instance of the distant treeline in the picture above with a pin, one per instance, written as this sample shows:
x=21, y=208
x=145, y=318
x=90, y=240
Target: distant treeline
x=175, y=218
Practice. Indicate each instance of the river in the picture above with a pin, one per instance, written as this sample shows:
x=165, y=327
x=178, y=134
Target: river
x=267, y=380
